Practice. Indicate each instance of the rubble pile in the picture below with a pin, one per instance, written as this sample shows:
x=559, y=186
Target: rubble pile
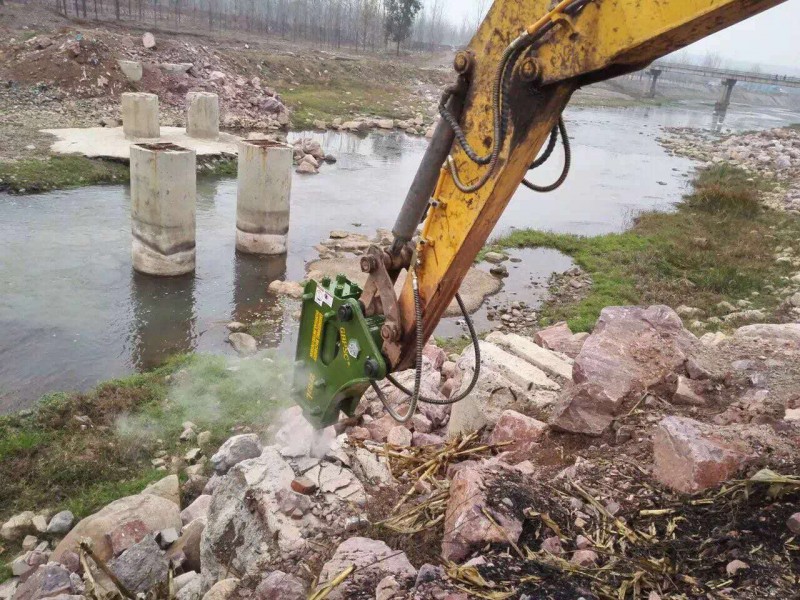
x=773, y=154
x=580, y=465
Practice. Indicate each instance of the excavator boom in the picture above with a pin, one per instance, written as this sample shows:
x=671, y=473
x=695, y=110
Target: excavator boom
x=513, y=82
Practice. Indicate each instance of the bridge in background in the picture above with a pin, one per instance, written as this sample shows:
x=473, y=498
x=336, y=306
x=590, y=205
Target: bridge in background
x=729, y=79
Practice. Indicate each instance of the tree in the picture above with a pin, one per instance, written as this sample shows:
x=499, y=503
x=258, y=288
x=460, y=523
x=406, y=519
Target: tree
x=400, y=15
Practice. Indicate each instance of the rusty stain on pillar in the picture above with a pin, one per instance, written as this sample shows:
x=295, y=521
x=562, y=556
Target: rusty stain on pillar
x=163, y=205
x=263, y=196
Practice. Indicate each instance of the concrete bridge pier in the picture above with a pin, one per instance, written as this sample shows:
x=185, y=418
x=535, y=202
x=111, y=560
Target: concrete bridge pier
x=654, y=75
x=721, y=107
x=262, y=203
x=202, y=115
x=163, y=200
x=140, y=115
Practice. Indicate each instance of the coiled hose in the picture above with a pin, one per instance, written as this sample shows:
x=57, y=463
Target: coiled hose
x=561, y=129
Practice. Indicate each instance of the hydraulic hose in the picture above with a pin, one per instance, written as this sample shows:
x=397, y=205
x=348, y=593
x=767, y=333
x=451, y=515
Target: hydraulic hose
x=562, y=130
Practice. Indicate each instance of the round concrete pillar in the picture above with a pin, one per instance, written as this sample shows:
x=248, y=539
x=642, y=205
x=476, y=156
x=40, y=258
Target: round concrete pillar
x=263, y=197
x=163, y=198
x=202, y=115
x=140, y=115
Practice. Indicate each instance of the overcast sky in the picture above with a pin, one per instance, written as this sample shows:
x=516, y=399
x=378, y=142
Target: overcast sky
x=769, y=39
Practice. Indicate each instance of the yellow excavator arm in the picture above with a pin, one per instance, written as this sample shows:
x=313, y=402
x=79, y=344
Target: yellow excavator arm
x=513, y=82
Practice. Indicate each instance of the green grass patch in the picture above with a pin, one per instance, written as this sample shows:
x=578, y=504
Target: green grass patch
x=717, y=245
x=30, y=176
x=51, y=459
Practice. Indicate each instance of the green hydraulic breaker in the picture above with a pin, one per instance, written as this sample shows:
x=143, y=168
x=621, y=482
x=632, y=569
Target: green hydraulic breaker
x=338, y=351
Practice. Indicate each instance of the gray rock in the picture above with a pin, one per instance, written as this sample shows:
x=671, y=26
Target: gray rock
x=222, y=590
x=148, y=40
x=47, y=581
x=184, y=579
x=18, y=526
x=235, y=450
x=280, y=586
x=142, y=566
x=244, y=344
x=132, y=69
x=8, y=587
x=373, y=560
x=61, y=523
x=167, y=537
x=197, y=509
x=193, y=590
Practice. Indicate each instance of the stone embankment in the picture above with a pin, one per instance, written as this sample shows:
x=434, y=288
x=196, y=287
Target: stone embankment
x=773, y=154
x=564, y=450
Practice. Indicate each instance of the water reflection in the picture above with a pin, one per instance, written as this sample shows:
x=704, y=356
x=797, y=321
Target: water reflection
x=251, y=302
x=164, y=318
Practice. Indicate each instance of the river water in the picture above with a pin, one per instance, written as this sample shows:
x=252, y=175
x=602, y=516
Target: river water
x=73, y=312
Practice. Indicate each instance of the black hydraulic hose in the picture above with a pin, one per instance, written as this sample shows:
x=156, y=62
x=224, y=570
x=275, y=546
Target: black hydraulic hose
x=562, y=128
x=551, y=146
x=475, y=375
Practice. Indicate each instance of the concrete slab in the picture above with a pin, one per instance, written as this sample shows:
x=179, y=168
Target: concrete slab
x=110, y=142
x=524, y=348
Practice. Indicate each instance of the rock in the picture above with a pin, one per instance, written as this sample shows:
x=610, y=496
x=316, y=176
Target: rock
x=786, y=335
x=197, y=509
x=244, y=344
x=631, y=349
x=399, y=436
x=426, y=439
x=499, y=270
x=280, y=586
x=371, y=468
x=142, y=566
x=552, y=545
x=8, y=587
x=308, y=159
x=735, y=566
x=321, y=125
x=532, y=353
x=155, y=512
x=61, y=523
x=23, y=566
x=304, y=485
x=204, y=439
x=193, y=590
x=524, y=434
x=494, y=257
x=306, y=168
x=132, y=69
x=47, y=581
x=466, y=526
x=167, y=537
x=188, y=544
x=713, y=339
x=297, y=437
x=126, y=535
x=30, y=542
x=148, y=40
x=18, y=526
x=39, y=523
x=436, y=355
x=584, y=558
x=217, y=76
x=793, y=523
x=373, y=561
x=236, y=327
x=181, y=581
x=689, y=312
x=222, y=590
x=168, y=488
x=583, y=543
x=264, y=536
x=286, y=288
x=234, y=451
x=690, y=456
x=687, y=392
x=385, y=123
x=585, y=409
x=559, y=338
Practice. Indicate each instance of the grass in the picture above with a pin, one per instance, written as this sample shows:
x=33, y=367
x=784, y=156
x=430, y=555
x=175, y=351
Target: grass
x=48, y=460
x=717, y=245
x=31, y=176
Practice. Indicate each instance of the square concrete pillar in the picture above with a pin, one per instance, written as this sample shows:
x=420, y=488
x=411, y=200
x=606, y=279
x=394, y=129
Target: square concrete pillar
x=202, y=115
x=262, y=202
x=163, y=198
x=140, y=115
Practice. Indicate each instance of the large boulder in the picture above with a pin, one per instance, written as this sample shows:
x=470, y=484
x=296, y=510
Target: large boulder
x=168, y=488
x=280, y=586
x=373, y=560
x=467, y=526
x=631, y=349
x=559, y=338
x=690, y=456
x=187, y=548
x=155, y=512
x=248, y=533
x=196, y=510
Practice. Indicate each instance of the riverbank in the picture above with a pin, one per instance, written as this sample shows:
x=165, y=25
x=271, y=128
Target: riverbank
x=721, y=258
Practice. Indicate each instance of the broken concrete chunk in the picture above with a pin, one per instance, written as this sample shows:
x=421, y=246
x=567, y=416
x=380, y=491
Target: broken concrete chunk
x=585, y=409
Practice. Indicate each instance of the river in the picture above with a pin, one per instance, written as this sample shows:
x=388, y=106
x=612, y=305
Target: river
x=73, y=312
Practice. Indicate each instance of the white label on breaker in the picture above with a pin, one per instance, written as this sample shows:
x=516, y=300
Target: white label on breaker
x=323, y=297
